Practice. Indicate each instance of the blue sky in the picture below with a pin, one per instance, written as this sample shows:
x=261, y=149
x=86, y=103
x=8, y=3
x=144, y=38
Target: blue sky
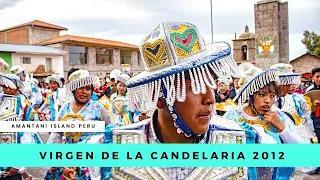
x=129, y=20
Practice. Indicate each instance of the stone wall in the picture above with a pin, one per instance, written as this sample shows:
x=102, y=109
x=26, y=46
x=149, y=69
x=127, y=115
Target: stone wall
x=271, y=29
x=284, y=33
x=305, y=63
x=237, y=49
x=38, y=34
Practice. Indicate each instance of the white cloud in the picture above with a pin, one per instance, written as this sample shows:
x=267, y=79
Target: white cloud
x=67, y=10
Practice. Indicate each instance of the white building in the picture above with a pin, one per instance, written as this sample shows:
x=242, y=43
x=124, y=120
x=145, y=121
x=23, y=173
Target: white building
x=42, y=61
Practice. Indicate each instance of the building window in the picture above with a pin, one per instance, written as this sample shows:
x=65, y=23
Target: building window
x=48, y=64
x=244, y=53
x=26, y=60
x=125, y=57
x=78, y=55
x=104, y=56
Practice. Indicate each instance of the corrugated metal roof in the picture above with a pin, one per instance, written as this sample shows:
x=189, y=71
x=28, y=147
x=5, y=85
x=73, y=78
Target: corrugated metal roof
x=30, y=49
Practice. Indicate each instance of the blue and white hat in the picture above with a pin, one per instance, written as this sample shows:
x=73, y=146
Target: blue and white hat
x=168, y=51
x=254, y=79
x=286, y=75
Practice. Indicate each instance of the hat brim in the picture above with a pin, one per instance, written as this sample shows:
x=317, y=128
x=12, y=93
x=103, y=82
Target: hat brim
x=6, y=81
x=82, y=82
x=211, y=53
x=258, y=82
x=50, y=78
x=288, y=79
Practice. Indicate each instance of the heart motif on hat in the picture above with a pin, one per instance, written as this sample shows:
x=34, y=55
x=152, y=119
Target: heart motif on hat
x=73, y=117
x=154, y=50
x=281, y=69
x=186, y=40
x=118, y=105
x=252, y=73
x=5, y=139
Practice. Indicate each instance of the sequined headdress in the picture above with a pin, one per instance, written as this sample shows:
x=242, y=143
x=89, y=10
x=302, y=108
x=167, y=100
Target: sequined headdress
x=254, y=79
x=168, y=51
x=81, y=78
x=4, y=80
x=54, y=78
x=17, y=70
x=122, y=78
x=286, y=75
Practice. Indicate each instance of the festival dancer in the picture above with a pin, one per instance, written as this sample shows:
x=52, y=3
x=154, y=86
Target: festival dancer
x=255, y=101
x=178, y=85
x=81, y=85
x=119, y=101
x=52, y=103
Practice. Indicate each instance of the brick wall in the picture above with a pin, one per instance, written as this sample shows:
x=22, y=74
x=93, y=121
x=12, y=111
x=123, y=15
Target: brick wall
x=2, y=38
x=18, y=36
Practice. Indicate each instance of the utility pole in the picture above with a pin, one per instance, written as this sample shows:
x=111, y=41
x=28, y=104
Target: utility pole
x=211, y=22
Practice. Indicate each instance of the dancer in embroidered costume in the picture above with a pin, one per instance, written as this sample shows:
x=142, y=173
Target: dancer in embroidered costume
x=255, y=101
x=178, y=83
x=10, y=110
x=293, y=104
x=119, y=101
x=81, y=85
x=52, y=103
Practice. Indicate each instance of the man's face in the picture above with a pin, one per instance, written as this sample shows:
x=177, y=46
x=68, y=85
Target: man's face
x=284, y=90
x=83, y=94
x=112, y=83
x=197, y=109
x=316, y=78
x=53, y=86
x=236, y=84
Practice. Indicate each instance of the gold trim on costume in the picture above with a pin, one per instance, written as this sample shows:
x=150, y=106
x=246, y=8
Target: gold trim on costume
x=73, y=117
x=264, y=124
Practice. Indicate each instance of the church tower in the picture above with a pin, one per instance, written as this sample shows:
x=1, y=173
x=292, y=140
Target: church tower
x=244, y=47
x=271, y=33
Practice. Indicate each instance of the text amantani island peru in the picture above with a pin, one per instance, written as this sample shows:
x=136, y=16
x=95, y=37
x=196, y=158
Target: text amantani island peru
x=45, y=125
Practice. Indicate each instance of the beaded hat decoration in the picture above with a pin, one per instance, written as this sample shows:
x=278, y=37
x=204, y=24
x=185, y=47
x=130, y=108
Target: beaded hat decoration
x=17, y=69
x=255, y=79
x=286, y=75
x=4, y=80
x=18, y=84
x=54, y=78
x=168, y=51
x=122, y=78
x=81, y=78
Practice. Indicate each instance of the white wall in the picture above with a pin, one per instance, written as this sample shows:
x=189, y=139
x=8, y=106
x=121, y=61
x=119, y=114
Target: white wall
x=36, y=60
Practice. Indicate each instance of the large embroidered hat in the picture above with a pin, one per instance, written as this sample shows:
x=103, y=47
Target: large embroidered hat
x=122, y=78
x=286, y=75
x=168, y=51
x=54, y=78
x=18, y=84
x=17, y=69
x=82, y=78
x=254, y=79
